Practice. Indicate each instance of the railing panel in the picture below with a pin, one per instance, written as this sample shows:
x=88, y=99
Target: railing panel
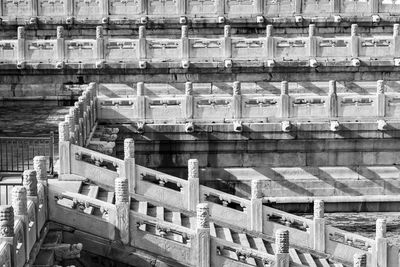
x=163, y=49
x=248, y=48
x=354, y=105
x=41, y=209
x=393, y=255
x=352, y=6
x=32, y=230
x=20, y=253
x=117, y=109
x=88, y=8
x=156, y=7
x=17, y=8
x=206, y=48
x=8, y=51
x=240, y=7
x=213, y=107
x=389, y=6
x=293, y=48
x=260, y=106
x=121, y=49
x=281, y=7
x=80, y=50
x=333, y=47
x=5, y=254
x=204, y=7
x=317, y=7
x=51, y=8
x=125, y=8
x=392, y=104
x=309, y=106
x=164, y=108
x=376, y=47
x=41, y=50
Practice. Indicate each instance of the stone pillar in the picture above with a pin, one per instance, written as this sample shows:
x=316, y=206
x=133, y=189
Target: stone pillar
x=185, y=42
x=20, y=206
x=284, y=101
x=7, y=230
x=70, y=120
x=319, y=226
x=142, y=42
x=227, y=42
x=20, y=46
x=79, y=125
x=64, y=149
x=332, y=99
x=194, y=184
x=396, y=40
x=256, y=212
x=282, y=248
x=30, y=183
x=39, y=165
x=203, y=235
x=60, y=44
x=381, y=99
x=270, y=42
x=73, y=111
x=122, y=209
x=82, y=123
x=360, y=260
x=140, y=101
x=189, y=103
x=354, y=40
x=130, y=164
x=312, y=40
x=380, y=254
x=99, y=43
x=237, y=100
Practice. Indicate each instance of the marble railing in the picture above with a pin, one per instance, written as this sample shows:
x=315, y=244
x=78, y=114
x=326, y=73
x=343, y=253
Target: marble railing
x=104, y=10
x=268, y=51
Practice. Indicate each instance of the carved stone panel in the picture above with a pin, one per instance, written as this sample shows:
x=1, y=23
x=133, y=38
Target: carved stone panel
x=51, y=8
x=8, y=51
x=239, y=7
x=165, y=7
x=126, y=7
x=121, y=49
x=87, y=8
x=355, y=6
x=279, y=7
x=195, y=7
x=317, y=6
x=17, y=8
x=41, y=51
x=392, y=6
x=79, y=50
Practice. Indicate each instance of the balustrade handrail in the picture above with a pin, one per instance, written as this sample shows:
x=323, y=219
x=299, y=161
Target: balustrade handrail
x=97, y=155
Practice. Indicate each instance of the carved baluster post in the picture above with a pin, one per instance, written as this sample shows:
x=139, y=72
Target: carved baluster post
x=86, y=113
x=256, y=216
x=140, y=101
x=319, y=226
x=64, y=148
x=282, y=248
x=237, y=100
x=185, y=42
x=19, y=203
x=93, y=88
x=75, y=113
x=39, y=165
x=396, y=40
x=194, y=184
x=30, y=184
x=380, y=253
x=270, y=42
x=99, y=47
x=130, y=165
x=70, y=120
x=82, y=124
x=122, y=205
x=227, y=42
x=203, y=235
x=87, y=97
x=312, y=41
x=360, y=260
x=60, y=45
x=354, y=40
x=332, y=100
x=7, y=230
x=381, y=99
x=142, y=43
x=21, y=47
x=189, y=103
x=284, y=101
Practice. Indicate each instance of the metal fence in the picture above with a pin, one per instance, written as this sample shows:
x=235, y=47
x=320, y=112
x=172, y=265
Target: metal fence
x=17, y=153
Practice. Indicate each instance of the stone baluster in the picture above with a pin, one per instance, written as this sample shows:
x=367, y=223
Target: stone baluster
x=73, y=111
x=227, y=42
x=20, y=206
x=31, y=185
x=82, y=125
x=256, y=216
x=99, y=47
x=140, y=101
x=86, y=114
x=354, y=40
x=93, y=87
x=70, y=120
x=21, y=47
x=332, y=100
x=360, y=260
x=282, y=248
x=185, y=42
x=319, y=226
x=86, y=96
x=381, y=99
x=194, y=184
x=64, y=149
x=7, y=230
x=142, y=43
x=380, y=253
x=122, y=200
x=312, y=40
x=284, y=101
x=237, y=100
x=203, y=235
x=130, y=165
x=60, y=46
x=39, y=165
x=189, y=101
x=270, y=42
x=396, y=40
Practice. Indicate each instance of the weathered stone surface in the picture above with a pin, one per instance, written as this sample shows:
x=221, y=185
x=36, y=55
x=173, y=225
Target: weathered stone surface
x=6, y=221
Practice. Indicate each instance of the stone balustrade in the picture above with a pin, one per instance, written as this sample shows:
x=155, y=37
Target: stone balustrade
x=105, y=11
x=228, y=51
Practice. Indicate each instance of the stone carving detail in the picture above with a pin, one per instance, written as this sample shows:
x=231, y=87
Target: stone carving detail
x=354, y=29
x=21, y=32
x=39, y=165
x=380, y=87
x=188, y=88
x=319, y=209
x=185, y=31
x=99, y=32
x=121, y=190
x=65, y=251
x=332, y=87
x=227, y=31
x=360, y=260
x=284, y=88
x=203, y=216
x=256, y=190
x=380, y=228
x=6, y=221
x=129, y=148
x=19, y=200
x=236, y=88
x=60, y=32
x=269, y=30
x=30, y=182
x=142, y=32
x=282, y=241
x=63, y=131
x=193, y=169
